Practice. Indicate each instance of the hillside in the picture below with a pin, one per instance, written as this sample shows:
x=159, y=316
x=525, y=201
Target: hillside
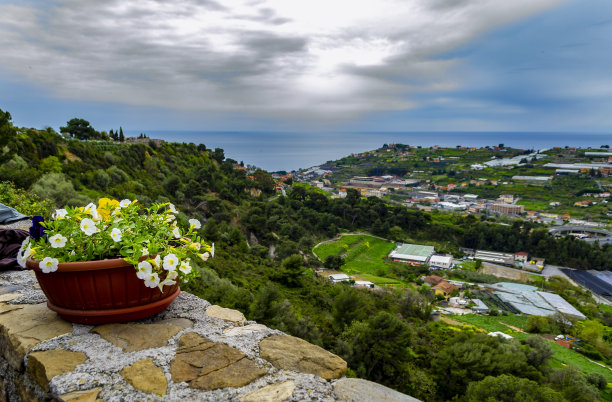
x=264, y=260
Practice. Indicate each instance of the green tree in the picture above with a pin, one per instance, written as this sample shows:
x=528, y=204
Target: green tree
x=334, y=262
x=291, y=270
x=57, y=188
x=537, y=324
x=80, y=129
x=591, y=331
x=51, y=164
x=467, y=358
x=379, y=348
x=573, y=385
x=507, y=388
x=349, y=306
x=7, y=134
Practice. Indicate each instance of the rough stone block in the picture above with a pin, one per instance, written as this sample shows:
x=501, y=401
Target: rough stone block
x=135, y=337
x=226, y=314
x=291, y=353
x=208, y=365
x=45, y=365
x=145, y=376
x=90, y=395
x=247, y=330
x=24, y=326
x=358, y=390
x=271, y=393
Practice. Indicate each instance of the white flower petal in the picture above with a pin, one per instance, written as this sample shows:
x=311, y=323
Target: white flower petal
x=194, y=223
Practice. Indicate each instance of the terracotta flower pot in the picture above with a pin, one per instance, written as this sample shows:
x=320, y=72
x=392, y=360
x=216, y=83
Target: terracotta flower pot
x=98, y=292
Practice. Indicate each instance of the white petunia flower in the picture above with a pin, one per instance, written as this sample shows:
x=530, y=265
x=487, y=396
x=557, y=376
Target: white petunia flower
x=21, y=260
x=212, y=250
x=27, y=253
x=185, y=267
x=144, y=251
x=89, y=227
x=170, y=262
x=194, y=223
x=152, y=280
x=157, y=261
x=48, y=264
x=172, y=208
x=170, y=218
x=204, y=256
x=125, y=203
x=60, y=214
x=24, y=244
x=144, y=270
x=90, y=207
x=116, y=234
x=92, y=210
x=177, y=233
x=57, y=241
x=170, y=280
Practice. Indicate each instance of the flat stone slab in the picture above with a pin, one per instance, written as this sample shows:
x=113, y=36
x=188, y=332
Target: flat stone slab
x=4, y=297
x=271, y=393
x=291, y=353
x=45, y=365
x=23, y=326
x=145, y=376
x=226, y=314
x=135, y=337
x=358, y=390
x=91, y=395
x=247, y=330
x=208, y=365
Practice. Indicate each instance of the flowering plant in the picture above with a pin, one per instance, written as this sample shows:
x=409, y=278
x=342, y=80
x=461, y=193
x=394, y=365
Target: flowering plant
x=148, y=238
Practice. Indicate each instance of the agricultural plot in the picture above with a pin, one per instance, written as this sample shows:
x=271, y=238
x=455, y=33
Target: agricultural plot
x=493, y=302
x=362, y=254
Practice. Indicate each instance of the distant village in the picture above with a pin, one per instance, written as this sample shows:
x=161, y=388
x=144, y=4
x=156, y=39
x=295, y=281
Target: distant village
x=421, y=193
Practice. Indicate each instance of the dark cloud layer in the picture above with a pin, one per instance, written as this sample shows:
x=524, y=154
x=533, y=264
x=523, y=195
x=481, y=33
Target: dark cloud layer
x=280, y=59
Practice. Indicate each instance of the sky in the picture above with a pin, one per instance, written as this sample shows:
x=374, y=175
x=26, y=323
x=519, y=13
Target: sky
x=317, y=65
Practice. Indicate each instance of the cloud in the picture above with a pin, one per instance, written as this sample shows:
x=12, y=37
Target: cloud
x=314, y=59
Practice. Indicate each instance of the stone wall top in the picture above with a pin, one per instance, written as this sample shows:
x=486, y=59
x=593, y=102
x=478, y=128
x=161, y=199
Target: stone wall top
x=192, y=351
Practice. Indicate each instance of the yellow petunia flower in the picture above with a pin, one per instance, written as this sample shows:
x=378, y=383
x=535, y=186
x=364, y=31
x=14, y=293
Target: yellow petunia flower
x=106, y=207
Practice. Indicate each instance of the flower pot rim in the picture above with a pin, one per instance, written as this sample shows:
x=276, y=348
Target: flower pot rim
x=81, y=265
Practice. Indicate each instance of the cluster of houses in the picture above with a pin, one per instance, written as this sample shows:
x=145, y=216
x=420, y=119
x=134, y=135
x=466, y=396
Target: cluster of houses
x=505, y=204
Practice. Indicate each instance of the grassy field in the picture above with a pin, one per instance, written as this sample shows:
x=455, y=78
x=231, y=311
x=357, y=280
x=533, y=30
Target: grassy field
x=362, y=254
x=562, y=356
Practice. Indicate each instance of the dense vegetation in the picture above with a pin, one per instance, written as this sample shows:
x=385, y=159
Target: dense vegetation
x=264, y=254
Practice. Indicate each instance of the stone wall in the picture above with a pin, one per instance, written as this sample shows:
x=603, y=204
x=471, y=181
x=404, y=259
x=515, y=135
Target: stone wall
x=192, y=351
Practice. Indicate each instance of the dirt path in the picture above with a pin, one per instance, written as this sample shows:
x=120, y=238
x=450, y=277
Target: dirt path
x=450, y=321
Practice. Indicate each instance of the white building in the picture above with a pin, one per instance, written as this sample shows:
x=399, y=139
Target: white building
x=441, y=261
x=335, y=278
x=364, y=284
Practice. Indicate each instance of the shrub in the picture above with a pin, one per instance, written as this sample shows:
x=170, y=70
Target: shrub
x=25, y=202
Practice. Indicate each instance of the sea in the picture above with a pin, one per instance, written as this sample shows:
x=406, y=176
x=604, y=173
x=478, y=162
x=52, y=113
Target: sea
x=288, y=151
